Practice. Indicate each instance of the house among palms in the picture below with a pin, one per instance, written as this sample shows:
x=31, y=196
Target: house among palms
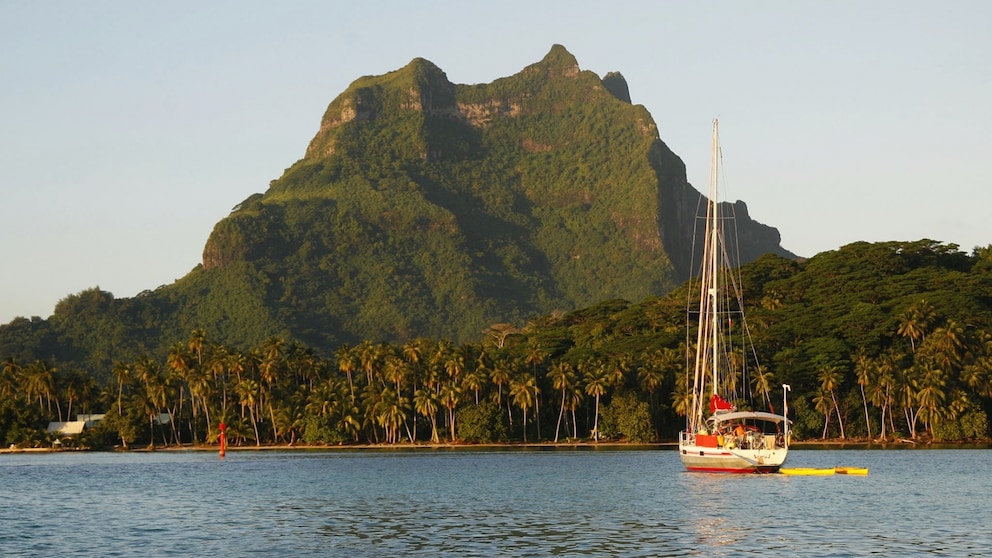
x=74, y=427
x=82, y=422
x=68, y=428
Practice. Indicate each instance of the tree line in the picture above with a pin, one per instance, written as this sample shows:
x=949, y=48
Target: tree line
x=886, y=341
x=508, y=388
x=283, y=393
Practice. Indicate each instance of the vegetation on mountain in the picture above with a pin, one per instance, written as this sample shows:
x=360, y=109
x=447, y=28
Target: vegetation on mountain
x=881, y=341
x=456, y=263
x=426, y=208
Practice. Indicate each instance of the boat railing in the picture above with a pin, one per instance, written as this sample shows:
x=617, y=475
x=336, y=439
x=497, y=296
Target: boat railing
x=751, y=440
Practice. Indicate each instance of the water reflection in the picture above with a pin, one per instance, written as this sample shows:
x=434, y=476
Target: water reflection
x=630, y=503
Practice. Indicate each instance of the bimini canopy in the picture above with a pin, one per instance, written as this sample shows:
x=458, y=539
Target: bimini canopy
x=748, y=415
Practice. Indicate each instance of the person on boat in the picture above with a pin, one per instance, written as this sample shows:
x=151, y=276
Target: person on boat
x=740, y=431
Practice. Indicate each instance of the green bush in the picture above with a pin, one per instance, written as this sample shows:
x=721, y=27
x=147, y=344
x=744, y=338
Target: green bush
x=321, y=430
x=482, y=424
x=626, y=418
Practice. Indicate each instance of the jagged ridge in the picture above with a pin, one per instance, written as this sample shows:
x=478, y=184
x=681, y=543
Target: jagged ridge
x=422, y=207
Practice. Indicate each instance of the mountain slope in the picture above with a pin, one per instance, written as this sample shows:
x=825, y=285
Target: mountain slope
x=424, y=207
x=427, y=208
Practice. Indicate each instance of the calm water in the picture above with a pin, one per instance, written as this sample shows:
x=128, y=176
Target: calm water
x=482, y=503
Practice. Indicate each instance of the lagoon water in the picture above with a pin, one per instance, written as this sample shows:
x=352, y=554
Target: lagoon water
x=501, y=502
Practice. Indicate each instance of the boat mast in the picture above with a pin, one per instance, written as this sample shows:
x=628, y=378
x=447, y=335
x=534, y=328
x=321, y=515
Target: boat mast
x=714, y=255
x=707, y=337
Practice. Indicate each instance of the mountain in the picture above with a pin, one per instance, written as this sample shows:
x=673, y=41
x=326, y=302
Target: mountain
x=427, y=208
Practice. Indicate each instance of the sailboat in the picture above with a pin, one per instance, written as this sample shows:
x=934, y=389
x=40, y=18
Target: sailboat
x=719, y=437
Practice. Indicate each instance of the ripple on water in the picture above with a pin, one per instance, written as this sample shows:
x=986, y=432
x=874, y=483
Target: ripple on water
x=511, y=503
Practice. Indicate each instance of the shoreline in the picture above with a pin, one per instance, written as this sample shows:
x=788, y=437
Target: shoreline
x=585, y=445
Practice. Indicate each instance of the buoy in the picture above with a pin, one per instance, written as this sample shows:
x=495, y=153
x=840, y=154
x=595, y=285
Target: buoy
x=223, y=439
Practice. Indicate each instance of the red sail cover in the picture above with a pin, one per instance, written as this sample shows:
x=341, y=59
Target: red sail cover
x=719, y=404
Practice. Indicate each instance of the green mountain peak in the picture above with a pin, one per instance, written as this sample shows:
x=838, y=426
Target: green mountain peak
x=558, y=60
x=426, y=208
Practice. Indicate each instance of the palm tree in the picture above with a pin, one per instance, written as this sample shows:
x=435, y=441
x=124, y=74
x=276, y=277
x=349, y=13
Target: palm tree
x=524, y=391
x=179, y=363
x=500, y=376
x=390, y=414
x=931, y=393
x=915, y=321
x=562, y=377
x=976, y=376
x=38, y=380
x=681, y=398
x=395, y=371
x=881, y=391
x=347, y=363
x=948, y=342
x=821, y=402
x=650, y=378
x=617, y=371
x=304, y=364
x=454, y=364
x=218, y=358
x=200, y=393
x=368, y=359
x=72, y=388
x=174, y=395
x=122, y=373
x=906, y=386
x=197, y=340
x=596, y=381
x=413, y=351
x=830, y=379
x=154, y=396
x=248, y=391
x=270, y=370
x=535, y=357
x=425, y=402
x=450, y=394
x=863, y=367
x=8, y=378
x=333, y=399
x=573, y=398
x=761, y=379
x=474, y=380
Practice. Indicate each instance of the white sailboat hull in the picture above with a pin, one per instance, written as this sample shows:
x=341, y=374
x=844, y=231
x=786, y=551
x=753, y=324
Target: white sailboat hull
x=723, y=460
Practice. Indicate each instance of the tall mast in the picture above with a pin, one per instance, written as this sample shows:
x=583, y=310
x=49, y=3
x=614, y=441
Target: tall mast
x=714, y=255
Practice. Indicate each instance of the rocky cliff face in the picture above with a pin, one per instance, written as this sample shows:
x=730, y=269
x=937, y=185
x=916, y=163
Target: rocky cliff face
x=423, y=207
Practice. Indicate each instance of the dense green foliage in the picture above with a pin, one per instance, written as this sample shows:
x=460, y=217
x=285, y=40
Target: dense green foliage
x=882, y=341
x=426, y=208
x=422, y=208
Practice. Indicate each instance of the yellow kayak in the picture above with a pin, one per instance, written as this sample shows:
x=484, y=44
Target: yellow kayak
x=806, y=471
x=851, y=470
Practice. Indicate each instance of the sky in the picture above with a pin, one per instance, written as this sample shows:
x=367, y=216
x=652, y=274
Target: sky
x=128, y=129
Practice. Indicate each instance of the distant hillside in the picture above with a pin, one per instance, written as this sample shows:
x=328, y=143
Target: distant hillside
x=426, y=208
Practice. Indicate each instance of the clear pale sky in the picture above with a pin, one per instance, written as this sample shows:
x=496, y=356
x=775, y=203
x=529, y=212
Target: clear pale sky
x=128, y=129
